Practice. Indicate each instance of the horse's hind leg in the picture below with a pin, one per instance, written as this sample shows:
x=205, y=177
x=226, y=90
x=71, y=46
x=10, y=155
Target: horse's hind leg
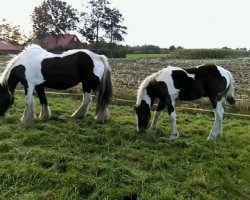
x=218, y=123
x=45, y=110
x=82, y=110
x=29, y=114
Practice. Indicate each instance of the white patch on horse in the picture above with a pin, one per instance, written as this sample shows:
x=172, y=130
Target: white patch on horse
x=225, y=74
x=98, y=63
x=165, y=75
x=142, y=92
x=33, y=66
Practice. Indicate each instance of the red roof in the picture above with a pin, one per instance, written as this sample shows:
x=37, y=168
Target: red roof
x=63, y=41
x=6, y=46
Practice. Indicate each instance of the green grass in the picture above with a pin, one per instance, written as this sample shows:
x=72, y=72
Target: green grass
x=62, y=158
x=194, y=54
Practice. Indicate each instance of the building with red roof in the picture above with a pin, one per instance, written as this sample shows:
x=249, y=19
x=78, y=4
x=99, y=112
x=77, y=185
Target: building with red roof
x=68, y=41
x=8, y=48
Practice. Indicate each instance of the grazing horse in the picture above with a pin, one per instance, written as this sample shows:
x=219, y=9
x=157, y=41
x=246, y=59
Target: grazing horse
x=174, y=83
x=35, y=68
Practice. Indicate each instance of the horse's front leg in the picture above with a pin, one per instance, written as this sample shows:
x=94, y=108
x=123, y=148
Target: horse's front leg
x=217, y=127
x=45, y=110
x=155, y=120
x=83, y=109
x=29, y=114
x=161, y=106
x=174, y=131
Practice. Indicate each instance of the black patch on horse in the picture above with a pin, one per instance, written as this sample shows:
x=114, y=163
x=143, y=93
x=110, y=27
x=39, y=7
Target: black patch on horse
x=159, y=89
x=71, y=69
x=143, y=114
x=17, y=74
x=5, y=99
x=208, y=82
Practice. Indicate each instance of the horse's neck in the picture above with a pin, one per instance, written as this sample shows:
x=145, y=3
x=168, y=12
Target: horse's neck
x=144, y=96
x=14, y=79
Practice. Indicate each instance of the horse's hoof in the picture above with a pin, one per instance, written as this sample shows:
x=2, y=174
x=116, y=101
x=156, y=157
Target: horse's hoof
x=211, y=138
x=173, y=136
x=27, y=121
x=44, y=117
x=77, y=116
x=101, y=119
x=153, y=128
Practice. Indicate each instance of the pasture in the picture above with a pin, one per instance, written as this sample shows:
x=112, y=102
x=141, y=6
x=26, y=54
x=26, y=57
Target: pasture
x=63, y=158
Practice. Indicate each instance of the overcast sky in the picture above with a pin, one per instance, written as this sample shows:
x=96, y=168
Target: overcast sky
x=186, y=23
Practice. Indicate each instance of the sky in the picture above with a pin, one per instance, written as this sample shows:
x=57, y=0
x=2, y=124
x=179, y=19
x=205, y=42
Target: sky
x=186, y=23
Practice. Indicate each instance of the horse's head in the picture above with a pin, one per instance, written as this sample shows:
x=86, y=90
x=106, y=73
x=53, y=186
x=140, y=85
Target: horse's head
x=6, y=99
x=143, y=116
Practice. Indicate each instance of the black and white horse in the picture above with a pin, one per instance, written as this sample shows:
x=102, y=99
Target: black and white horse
x=174, y=83
x=35, y=68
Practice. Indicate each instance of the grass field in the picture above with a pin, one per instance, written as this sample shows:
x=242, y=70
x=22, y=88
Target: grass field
x=62, y=158
x=194, y=54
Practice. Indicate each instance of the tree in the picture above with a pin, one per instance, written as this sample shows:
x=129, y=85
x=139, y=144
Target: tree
x=54, y=17
x=102, y=22
x=11, y=33
x=112, y=26
x=94, y=20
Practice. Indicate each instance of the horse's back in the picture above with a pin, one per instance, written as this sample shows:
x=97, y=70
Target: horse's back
x=194, y=83
x=61, y=71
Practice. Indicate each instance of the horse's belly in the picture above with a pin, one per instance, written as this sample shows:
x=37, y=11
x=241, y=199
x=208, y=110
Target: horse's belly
x=61, y=80
x=189, y=95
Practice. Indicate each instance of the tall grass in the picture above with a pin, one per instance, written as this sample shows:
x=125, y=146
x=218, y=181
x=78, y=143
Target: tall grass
x=62, y=158
x=146, y=56
x=208, y=53
x=194, y=54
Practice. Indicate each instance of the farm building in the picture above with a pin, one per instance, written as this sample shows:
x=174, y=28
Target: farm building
x=68, y=41
x=8, y=48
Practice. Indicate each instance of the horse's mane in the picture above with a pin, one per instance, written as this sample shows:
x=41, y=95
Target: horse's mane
x=14, y=61
x=143, y=86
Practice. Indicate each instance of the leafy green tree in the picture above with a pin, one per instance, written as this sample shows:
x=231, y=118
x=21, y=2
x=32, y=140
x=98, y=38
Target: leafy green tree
x=102, y=22
x=94, y=21
x=114, y=31
x=54, y=17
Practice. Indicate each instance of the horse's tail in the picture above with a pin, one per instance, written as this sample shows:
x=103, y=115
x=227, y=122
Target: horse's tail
x=104, y=90
x=230, y=90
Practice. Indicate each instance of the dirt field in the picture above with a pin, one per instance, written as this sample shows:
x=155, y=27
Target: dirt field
x=127, y=74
